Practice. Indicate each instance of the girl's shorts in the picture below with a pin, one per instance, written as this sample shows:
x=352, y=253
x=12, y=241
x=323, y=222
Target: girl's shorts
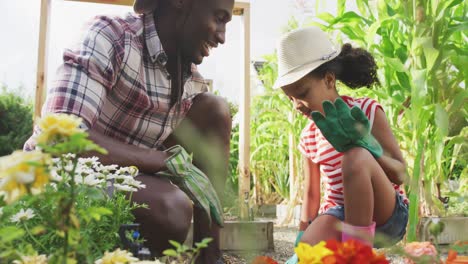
x=393, y=230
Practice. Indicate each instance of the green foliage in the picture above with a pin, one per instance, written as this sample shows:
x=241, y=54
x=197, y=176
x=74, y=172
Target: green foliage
x=64, y=209
x=421, y=50
x=16, y=122
x=183, y=254
x=275, y=129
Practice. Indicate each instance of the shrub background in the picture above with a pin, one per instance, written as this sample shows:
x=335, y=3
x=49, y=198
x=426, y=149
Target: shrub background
x=16, y=121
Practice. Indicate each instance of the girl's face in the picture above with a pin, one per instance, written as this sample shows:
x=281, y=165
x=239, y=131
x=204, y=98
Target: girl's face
x=308, y=93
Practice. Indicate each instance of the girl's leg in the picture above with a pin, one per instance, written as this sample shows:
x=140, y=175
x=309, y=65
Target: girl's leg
x=368, y=193
x=322, y=228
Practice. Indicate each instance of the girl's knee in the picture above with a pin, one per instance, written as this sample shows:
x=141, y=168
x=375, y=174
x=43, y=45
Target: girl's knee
x=356, y=161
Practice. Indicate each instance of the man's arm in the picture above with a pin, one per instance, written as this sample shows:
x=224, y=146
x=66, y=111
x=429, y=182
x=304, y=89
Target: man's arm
x=122, y=154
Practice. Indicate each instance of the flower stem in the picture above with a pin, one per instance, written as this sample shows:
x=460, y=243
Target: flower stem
x=69, y=209
x=33, y=238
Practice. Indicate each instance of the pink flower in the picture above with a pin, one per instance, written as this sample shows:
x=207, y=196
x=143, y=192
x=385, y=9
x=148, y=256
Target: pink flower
x=419, y=250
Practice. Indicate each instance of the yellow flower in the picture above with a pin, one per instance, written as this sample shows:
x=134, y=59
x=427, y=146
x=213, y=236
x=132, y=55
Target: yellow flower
x=23, y=172
x=308, y=254
x=116, y=257
x=55, y=126
x=41, y=259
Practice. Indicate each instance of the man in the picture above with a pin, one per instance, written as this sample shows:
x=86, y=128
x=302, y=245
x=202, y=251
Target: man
x=134, y=83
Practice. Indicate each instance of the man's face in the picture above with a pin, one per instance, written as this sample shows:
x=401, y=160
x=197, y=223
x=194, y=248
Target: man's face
x=205, y=28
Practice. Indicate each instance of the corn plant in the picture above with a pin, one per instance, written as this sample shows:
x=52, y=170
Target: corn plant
x=273, y=122
x=421, y=49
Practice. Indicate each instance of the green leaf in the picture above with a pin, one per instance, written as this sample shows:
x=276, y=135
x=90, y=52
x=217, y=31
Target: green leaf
x=403, y=80
x=341, y=6
x=205, y=241
x=363, y=7
x=444, y=6
x=175, y=244
x=458, y=101
x=431, y=55
x=10, y=233
x=327, y=17
x=38, y=230
x=351, y=17
x=371, y=32
x=395, y=63
x=170, y=253
x=441, y=120
x=419, y=90
x=95, y=213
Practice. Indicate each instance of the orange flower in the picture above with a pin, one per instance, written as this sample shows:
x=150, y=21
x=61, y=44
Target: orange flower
x=264, y=260
x=454, y=259
x=352, y=252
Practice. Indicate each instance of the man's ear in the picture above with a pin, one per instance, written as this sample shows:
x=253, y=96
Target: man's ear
x=178, y=4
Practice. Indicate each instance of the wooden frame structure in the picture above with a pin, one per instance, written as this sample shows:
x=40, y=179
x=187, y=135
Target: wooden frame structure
x=241, y=8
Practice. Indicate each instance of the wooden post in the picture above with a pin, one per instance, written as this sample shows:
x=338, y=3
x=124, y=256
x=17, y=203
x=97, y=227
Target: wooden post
x=244, y=126
x=41, y=76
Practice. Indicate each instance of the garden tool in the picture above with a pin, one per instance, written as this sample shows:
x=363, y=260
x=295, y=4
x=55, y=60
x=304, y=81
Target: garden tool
x=298, y=238
x=364, y=234
x=193, y=182
x=346, y=128
x=293, y=260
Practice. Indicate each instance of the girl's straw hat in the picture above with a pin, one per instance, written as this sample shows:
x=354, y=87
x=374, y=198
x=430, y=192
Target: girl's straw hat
x=300, y=52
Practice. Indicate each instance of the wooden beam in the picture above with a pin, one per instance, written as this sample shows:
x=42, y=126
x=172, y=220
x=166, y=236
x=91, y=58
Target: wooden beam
x=244, y=126
x=41, y=76
x=238, y=6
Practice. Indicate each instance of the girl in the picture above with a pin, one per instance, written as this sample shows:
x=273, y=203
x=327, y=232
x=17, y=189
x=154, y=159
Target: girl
x=348, y=142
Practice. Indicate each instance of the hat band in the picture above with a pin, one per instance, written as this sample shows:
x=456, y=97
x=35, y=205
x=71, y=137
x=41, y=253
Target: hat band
x=323, y=58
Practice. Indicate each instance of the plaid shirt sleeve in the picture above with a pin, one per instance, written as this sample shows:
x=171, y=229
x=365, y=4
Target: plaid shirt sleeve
x=88, y=72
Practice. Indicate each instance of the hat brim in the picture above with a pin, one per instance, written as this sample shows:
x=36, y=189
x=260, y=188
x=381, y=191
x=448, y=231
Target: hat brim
x=296, y=75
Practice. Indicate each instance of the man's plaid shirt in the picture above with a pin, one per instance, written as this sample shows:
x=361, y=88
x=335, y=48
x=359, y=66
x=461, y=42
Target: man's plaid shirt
x=117, y=82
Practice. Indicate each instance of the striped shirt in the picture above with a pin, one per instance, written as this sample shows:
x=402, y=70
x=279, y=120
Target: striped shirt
x=116, y=80
x=315, y=147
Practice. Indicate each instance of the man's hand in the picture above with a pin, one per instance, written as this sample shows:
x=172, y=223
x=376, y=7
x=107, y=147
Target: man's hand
x=346, y=128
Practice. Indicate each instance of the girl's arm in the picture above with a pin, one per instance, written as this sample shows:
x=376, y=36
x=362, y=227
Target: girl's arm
x=391, y=161
x=311, y=198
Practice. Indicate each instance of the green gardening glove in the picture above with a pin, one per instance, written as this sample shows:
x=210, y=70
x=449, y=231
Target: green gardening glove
x=346, y=128
x=193, y=182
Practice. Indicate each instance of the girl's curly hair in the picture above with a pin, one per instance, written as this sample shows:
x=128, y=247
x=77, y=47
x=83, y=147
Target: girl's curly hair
x=355, y=67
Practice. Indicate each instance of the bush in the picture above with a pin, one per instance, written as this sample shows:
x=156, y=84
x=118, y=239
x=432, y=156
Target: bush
x=16, y=122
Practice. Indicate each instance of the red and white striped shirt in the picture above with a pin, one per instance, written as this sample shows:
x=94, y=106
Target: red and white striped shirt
x=314, y=146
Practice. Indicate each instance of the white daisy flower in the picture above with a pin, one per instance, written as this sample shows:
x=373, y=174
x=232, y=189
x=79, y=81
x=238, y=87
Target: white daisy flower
x=22, y=215
x=124, y=188
x=91, y=180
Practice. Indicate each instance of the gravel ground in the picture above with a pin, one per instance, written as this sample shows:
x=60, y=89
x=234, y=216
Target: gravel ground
x=283, y=240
